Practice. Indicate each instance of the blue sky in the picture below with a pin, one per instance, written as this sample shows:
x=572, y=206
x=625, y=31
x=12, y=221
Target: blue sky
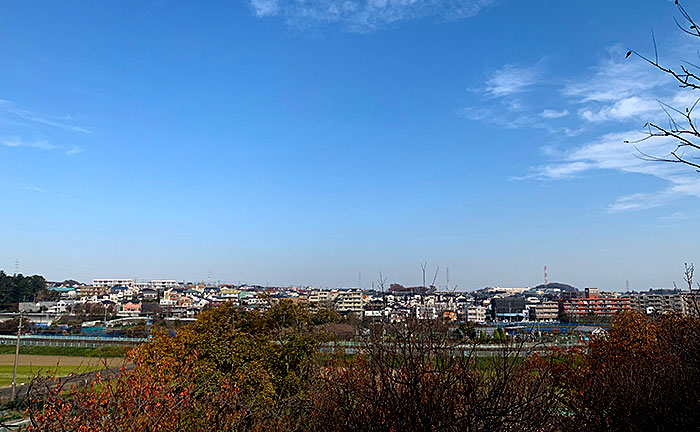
x=281, y=141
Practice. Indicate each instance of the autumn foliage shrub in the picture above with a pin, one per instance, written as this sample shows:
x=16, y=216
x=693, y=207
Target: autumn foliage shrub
x=642, y=375
x=227, y=371
x=237, y=371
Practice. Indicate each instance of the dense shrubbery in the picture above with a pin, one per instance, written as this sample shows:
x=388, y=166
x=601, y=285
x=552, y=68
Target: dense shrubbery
x=643, y=375
x=227, y=371
x=263, y=371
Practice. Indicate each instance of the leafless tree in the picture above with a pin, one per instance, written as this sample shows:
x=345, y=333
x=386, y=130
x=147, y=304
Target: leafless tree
x=417, y=375
x=681, y=124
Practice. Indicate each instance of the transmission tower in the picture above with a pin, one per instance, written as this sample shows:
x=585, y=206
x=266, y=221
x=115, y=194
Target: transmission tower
x=16, y=267
x=545, y=277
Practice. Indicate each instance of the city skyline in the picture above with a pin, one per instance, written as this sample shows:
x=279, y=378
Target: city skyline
x=281, y=144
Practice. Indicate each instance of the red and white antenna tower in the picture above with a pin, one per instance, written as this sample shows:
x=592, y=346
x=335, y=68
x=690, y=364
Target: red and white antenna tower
x=545, y=276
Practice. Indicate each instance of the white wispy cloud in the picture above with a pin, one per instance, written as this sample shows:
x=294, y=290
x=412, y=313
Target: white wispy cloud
x=608, y=104
x=502, y=100
x=34, y=188
x=41, y=144
x=553, y=114
x=511, y=79
x=661, y=198
x=364, y=16
x=18, y=142
x=265, y=8
x=74, y=150
x=613, y=79
x=620, y=89
x=633, y=107
x=611, y=152
x=675, y=216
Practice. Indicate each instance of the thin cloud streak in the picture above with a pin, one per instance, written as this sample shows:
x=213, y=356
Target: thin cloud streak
x=8, y=107
x=363, y=16
x=22, y=121
x=17, y=142
x=34, y=188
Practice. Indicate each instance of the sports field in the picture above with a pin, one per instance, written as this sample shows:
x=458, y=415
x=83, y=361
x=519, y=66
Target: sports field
x=29, y=366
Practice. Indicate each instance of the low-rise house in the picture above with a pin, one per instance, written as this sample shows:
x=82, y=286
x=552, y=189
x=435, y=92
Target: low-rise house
x=130, y=307
x=62, y=306
x=185, y=301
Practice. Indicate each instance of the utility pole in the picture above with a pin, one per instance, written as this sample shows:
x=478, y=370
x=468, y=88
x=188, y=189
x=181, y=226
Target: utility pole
x=14, y=372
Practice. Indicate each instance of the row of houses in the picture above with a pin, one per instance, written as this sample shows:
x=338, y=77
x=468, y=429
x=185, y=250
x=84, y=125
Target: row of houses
x=542, y=303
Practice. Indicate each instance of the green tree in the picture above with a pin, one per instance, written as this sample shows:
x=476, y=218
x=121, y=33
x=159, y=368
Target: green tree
x=20, y=288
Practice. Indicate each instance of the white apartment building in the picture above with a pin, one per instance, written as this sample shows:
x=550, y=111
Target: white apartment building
x=140, y=286
x=349, y=301
x=109, y=283
x=164, y=284
x=322, y=296
x=476, y=313
x=342, y=300
x=650, y=303
x=427, y=312
x=506, y=291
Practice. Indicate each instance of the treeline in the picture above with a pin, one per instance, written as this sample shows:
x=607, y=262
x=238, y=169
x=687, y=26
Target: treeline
x=263, y=371
x=20, y=288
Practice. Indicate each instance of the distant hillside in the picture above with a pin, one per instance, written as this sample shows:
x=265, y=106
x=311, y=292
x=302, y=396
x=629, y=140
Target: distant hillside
x=555, y=285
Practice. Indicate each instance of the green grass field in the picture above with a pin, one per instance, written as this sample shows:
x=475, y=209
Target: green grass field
x=102, y=352
x=25, y=373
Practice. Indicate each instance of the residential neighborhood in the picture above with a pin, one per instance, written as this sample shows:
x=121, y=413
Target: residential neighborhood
x=178, y=300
